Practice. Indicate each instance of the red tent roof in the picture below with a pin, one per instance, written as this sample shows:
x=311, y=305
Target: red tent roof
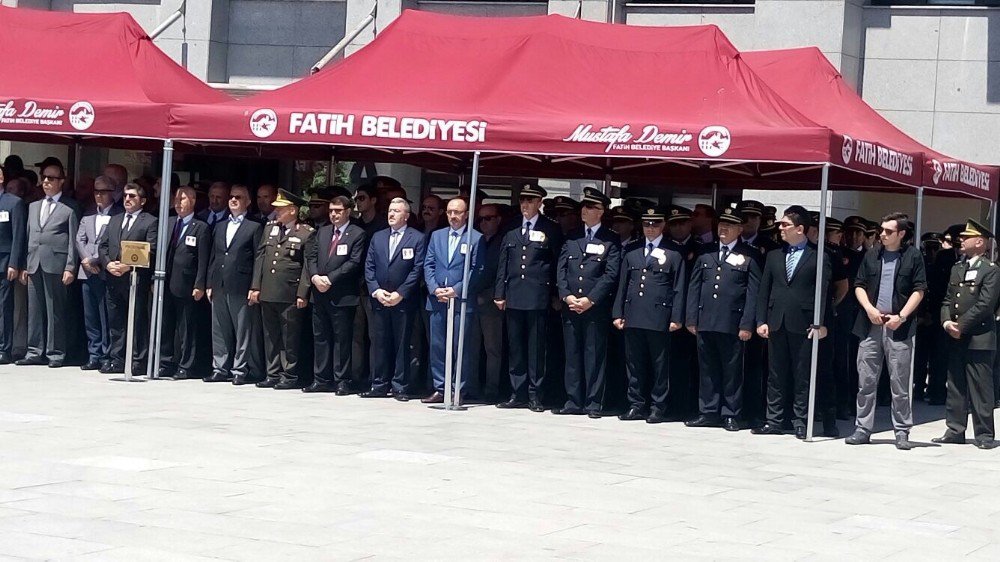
x=806, y=78
x=88, y=74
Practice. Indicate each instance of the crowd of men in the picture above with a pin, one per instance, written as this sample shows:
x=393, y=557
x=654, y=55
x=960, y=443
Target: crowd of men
x=659, y=312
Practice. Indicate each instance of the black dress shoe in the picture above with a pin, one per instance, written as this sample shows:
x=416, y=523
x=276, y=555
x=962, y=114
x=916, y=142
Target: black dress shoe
x=105, y=365
x=536, y=406
x=373, y=394
x=240, y=380
x=287, y=385
x=90, y=366
x=595, y=414
x=903, y=442
x=343, y=389
x=657, y=416
x=704, y=421
x=950, y=439
x=39, y=360
x=768, y=429
x=987, y=444
x=55, y=364
x=730, y=423
x=859, y=437
x=568, y=411
x=319, y=387
x=633, y=414
x=399, y=397
x=513, y=403
x=800, y=432
x=114, y=369
x=218, y=377
x=830, y=428
x=436, y=398
x=5, y=359
x=267, y=383
x=166, y=373
x=139, y=369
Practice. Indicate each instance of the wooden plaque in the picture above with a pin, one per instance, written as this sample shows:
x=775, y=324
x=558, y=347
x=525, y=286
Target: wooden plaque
x=135, y=254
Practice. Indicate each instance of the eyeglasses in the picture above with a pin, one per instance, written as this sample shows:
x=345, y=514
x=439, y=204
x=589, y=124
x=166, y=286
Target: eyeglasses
x=52, y=178
x=785, y=224
x=105, y=191
x=131, y=195
x=888, y=231
x=337, y=210
x=236, y=196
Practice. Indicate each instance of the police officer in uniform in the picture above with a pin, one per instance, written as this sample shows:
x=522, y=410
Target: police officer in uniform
x=525, y=288
x=684, y=380
x=648, y=308
x=753, y=215
x=281, y=286
x=586, y=279
x=721, y=312
x=937, y=285
x=968, y=317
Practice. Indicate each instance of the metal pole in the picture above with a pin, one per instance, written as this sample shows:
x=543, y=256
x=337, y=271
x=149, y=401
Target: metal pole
x=75, y=164
x=818, y=299
x=715, y=195
x=169, y=21
x=130, y=333
x=466, y=274
x=992, y=220
x=449, y=394
x=345, y=41
x=160, y=273
x=917, y=233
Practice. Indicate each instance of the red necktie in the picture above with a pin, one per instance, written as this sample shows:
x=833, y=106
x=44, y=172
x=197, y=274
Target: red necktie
x=333, y=243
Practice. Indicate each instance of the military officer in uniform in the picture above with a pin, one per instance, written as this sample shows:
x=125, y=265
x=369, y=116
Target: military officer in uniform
x=281, y=287
x=586, y=279
x=525, y=289
x=968, y=317
x=721, y=312
x=648, y=307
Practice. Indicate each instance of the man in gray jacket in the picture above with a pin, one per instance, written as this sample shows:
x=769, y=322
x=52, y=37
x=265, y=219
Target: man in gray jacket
x=51, y=268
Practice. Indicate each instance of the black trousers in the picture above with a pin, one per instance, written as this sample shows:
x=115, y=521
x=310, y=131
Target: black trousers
x=48, y=316
x=923, y=353
x=755, y=379
x=970, y=390
x=6, y=313
x=486, y=337
x=333, y=339
x=361, y=344
x=683, y=373
x=938, y=376
x=528, y=341
x=282, y=323
x=180, y=341
x=790, y=355
x=117, y=298
x=585, y=338
x=720, y=361
x=648, y=367
x=391, y=348
x=845, y=390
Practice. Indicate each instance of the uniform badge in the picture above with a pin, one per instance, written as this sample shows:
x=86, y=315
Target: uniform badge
x=536, y=236
x=660, y=255
x=295, y=240
x=4, y=216
x=190, y=241
x=341, y=249
x=971, y=274
x=275, y=230
x=736, y=259
x=407, y=253
x=595, y=249
x=463, y=249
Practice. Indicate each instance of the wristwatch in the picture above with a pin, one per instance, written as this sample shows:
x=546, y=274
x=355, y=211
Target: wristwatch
x=902, y=319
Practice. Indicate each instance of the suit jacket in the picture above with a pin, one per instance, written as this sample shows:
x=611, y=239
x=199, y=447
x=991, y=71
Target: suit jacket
x=396, y=274
x=13, y=232
x=440, y=272
x=109, y=245
x=763, y=245
x=526, y=269
x=789, y=305
x=971, y=301
x=230, y=267
x=87, y=237
x=203, y=217
x=651, y=289
x=590, y=268
x=344, y=266
x=52, y=246
x=187, y=259
x=722, y=295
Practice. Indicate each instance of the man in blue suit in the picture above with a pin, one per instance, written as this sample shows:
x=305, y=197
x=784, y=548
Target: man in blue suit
x=13, y=251
x=392, y=273
x=444, y=267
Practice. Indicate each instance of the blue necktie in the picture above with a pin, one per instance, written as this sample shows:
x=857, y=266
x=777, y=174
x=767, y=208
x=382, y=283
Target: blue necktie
x=790, y=262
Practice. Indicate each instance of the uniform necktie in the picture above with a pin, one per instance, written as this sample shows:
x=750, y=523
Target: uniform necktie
x=725, y=253
x=527, y=228
x=128, y=224
x=47, y=209
x=790, y=263
x=334, y=241
x=590, y=234
x=177, y=232
x=393, y=241
x=452, y=244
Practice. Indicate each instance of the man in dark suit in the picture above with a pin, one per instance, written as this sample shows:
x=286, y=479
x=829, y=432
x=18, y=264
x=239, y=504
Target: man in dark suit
x=721, y=312
x=649, y=306
x=683, y=372
x=587, y=277
x=13, y=231
x=444, y=269
x=187, y=263
x=785, y=308
x=51, y=269
x=217, y=211
x=230, y=275
x=525, y=285
x=486, y=332
x=392, y=274
x=968, y=316
x=366, y=202
x=334, y=264
x=281, y=286
x=137, y=226
x=95, y=306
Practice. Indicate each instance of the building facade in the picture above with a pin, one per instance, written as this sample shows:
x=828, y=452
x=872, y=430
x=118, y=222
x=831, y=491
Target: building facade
x=932, y=67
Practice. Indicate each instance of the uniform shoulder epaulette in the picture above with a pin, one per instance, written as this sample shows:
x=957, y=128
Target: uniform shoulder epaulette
x=309, y=228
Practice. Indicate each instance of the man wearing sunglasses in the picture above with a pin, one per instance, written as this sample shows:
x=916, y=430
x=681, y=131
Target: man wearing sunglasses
x=486, y=329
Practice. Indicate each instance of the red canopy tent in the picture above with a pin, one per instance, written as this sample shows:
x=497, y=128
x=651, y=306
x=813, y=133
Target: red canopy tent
x=806, y=79
x=71, y=75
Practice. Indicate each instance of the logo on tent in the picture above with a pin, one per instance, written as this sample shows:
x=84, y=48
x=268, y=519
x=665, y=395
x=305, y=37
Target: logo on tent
x=847, y=150
x=263, y=123
x=938, y=171
x=714, y=140
x=81, y=115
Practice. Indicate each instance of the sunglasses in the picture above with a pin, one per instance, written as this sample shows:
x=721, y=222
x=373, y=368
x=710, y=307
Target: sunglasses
x=131, y=196
x=52, y=178
x=489, y=217
x=888, y=231
x=785, y=224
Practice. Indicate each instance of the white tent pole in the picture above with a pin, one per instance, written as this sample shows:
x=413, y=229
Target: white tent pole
x=466, y=275
x=160, y=273
x=818, y=300
x=917, y=233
